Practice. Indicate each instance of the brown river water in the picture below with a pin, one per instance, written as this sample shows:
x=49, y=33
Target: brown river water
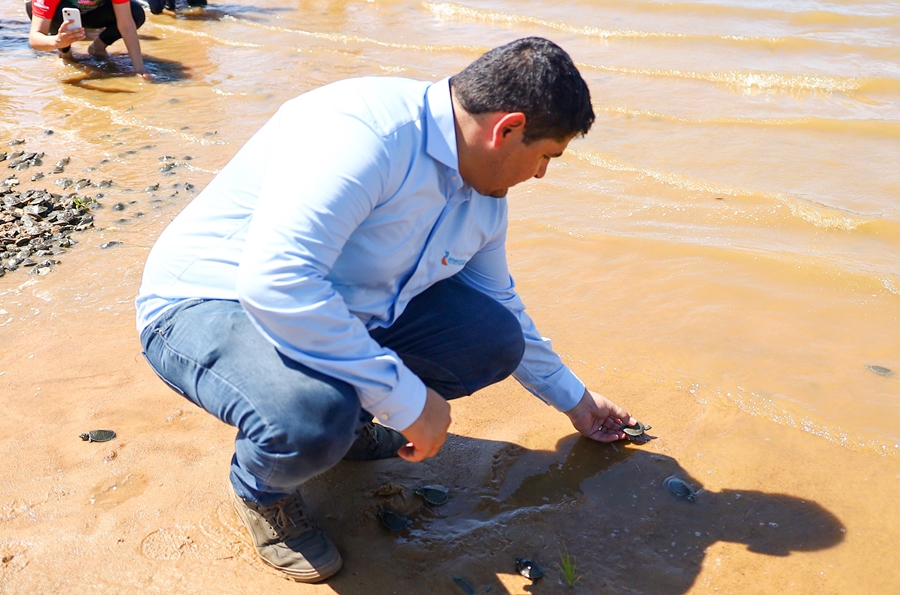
x=721, y=255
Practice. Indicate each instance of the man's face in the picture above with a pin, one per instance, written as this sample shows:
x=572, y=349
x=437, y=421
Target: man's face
x=513, y=162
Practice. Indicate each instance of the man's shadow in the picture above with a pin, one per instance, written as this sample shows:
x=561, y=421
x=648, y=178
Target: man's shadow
x=604, y=504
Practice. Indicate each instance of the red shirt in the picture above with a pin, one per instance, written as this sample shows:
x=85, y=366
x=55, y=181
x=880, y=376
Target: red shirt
x=45, y=9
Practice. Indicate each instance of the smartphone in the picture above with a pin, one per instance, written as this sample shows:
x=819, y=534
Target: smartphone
x=73, y=15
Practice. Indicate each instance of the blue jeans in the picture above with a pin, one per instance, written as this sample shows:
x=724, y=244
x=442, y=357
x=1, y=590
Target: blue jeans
x=293, y=422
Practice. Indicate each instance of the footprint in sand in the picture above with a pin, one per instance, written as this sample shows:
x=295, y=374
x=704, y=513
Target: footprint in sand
x=216, y=537
x=503, y=459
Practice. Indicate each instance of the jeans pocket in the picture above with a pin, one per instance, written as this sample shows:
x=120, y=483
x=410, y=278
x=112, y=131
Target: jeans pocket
x=157, y=332
x=161, y=377
x=165, y=321
x=169, y=384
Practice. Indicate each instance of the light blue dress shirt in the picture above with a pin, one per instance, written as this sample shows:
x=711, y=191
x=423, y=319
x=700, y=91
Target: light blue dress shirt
x=335, y=214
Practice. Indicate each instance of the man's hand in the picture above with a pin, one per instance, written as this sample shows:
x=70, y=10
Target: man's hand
x=427, y=434
x=598, y=418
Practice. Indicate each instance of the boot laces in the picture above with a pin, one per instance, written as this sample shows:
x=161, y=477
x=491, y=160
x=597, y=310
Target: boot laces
x=371, y=434
x=287, y=516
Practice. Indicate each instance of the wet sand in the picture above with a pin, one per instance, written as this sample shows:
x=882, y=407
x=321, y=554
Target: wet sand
x=148, y=511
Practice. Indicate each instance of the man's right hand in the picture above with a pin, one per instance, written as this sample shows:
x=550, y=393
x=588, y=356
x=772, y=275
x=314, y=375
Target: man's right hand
x=427, y=434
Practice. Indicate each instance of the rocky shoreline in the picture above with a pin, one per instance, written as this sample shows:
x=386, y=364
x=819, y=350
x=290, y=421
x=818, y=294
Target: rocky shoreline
x=36, y=224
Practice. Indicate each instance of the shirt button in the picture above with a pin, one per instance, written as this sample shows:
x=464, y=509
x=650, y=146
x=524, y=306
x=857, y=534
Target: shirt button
x=455, y=178
x=384, y=416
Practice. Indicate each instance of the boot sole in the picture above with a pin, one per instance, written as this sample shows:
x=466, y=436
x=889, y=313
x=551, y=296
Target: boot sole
x=323, y=572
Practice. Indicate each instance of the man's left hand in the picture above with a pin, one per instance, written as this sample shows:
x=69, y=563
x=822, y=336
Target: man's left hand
x=598, y=418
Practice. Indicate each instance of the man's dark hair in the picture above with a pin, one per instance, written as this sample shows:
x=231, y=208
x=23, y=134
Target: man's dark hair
x=533, y=76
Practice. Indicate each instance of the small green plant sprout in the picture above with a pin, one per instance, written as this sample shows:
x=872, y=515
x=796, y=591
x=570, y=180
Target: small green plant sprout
x=83, y=202
x=566, y=565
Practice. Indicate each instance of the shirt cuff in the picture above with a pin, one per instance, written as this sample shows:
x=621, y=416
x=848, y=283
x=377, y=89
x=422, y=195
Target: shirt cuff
x=566, y=393
x=403, y=406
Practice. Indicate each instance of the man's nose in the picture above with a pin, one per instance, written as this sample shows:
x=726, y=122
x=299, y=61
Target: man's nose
x=542, y=169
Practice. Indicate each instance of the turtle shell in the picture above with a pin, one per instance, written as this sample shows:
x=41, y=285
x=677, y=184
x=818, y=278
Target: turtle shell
x=880, y=370
x=98, y=436
x=433, y=494
x=637, y=429
x=464, y=585
x=680, y=488
x=393, y=520
x=529, y=568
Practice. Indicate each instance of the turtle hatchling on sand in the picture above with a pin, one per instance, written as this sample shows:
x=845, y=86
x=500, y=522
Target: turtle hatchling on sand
x=98, y=436
x=393, y=520
x=881, y=370
x=680, y=488
x=464, y=585
x=529, y=568
x=637, y=432
x=433, y=494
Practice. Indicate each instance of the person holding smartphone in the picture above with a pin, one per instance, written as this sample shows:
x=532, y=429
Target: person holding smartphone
x=119, y=19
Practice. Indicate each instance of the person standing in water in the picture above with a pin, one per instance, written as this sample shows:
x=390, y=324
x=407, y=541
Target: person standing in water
x=119, y=19
x=349, y=263
x=157, y=6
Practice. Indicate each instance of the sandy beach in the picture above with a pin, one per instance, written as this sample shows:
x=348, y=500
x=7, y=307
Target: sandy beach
x=718, y=256
x=148, y=511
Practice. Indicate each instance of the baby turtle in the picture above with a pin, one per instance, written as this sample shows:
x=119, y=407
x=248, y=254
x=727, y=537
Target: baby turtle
x=529, y=568
x=464, y=585
x=98, y=436
x=637, y=432
x=637, y=429
x=393, y=520
x=880, y=370
x=433, y=494
x=680, y=488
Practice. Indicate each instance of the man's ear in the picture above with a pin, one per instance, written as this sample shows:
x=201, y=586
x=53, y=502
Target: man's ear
x=507, y=126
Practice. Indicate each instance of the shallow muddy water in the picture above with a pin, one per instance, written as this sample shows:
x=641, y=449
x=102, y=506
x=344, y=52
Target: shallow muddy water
x=725, y=241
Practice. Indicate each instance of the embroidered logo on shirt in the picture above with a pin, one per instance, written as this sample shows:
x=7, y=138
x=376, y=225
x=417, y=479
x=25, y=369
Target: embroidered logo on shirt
x=447, y=259
x=40, y=4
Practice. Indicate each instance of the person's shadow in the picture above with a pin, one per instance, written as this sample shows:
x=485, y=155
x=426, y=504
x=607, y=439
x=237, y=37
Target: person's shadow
x=217, y=11
x=604, y=504
x=118, y=66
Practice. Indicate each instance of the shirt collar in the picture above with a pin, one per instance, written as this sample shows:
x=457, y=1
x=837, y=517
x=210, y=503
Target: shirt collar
x=440, y=125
